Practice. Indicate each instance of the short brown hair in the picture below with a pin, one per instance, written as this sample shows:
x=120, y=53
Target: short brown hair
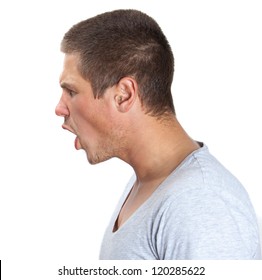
x=124, y=43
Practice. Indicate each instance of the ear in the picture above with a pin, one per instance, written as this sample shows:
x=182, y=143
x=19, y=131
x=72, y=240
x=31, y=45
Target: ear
x=125, y=94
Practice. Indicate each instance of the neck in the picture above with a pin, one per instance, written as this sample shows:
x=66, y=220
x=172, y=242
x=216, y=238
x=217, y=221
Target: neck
x=156, y=148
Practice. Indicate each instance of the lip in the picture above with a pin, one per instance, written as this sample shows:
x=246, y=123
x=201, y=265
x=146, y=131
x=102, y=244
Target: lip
x=68, y=128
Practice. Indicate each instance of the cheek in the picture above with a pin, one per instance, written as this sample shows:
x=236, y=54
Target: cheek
x=91, y=120
x=88, y=124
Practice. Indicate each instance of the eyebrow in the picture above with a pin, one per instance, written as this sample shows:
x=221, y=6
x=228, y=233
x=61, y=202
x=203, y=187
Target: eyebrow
x=66, y=85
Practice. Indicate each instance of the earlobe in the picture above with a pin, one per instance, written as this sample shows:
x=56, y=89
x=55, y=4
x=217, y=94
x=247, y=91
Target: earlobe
x=126, y=94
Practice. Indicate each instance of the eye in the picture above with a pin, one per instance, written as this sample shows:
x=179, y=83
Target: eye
x=71, y=93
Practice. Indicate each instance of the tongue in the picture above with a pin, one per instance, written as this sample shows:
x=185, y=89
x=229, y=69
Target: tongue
x=77, y=143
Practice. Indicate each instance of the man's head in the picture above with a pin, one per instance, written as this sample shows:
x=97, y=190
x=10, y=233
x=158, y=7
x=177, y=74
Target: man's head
x=124, y=43
x=117, y=76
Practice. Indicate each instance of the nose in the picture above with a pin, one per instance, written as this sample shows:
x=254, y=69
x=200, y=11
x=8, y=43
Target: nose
x=61, y=109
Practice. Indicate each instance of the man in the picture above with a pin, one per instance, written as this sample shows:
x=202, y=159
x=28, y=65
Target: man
x=181, y=202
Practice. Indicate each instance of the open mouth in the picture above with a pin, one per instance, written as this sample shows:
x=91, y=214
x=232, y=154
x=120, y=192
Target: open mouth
x=77, y=141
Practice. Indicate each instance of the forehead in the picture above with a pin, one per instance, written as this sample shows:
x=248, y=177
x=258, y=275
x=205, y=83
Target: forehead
x=70, y=70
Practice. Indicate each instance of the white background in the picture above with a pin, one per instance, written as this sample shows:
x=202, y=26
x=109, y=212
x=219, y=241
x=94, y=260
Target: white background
x=54, y=206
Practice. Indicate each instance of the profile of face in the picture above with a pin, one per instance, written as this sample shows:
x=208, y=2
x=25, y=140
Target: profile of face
x=89, y=118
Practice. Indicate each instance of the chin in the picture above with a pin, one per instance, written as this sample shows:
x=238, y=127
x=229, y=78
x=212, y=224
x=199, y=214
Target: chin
x=95, y=159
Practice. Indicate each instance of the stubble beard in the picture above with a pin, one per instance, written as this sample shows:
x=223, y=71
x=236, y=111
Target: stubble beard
x=109, y=147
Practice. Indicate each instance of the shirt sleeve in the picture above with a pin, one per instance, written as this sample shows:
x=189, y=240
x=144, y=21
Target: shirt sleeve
x=201, y=224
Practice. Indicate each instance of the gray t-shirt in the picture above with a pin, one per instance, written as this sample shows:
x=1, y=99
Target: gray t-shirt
x=200, y=211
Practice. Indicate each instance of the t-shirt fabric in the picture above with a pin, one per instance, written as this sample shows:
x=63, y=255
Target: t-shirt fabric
x=200, y=211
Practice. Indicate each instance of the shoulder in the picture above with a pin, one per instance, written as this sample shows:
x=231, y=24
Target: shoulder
x=201, y=175
x=205, y=212
x=202, y=189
